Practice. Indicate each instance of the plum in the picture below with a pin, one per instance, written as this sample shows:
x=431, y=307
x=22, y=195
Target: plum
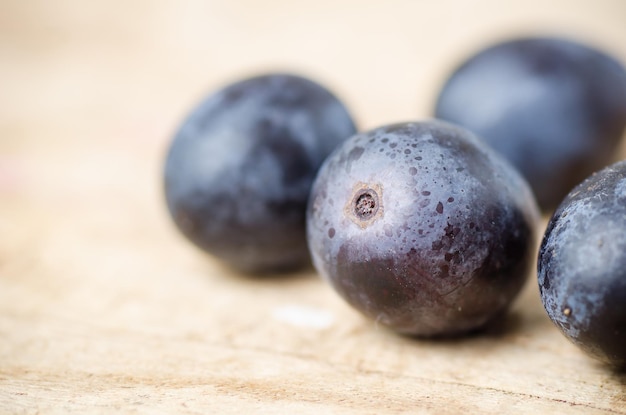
x=239, y=170
x=556, y=109
x=422, y=227
x=582, y=265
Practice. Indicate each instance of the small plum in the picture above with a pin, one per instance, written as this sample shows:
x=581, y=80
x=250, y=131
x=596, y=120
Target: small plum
x=239, y=170
x=422, y=227
x=555, y=108
x=582, y=265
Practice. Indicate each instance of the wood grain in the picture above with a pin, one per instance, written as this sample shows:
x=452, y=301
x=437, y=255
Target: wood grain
x=105, y=308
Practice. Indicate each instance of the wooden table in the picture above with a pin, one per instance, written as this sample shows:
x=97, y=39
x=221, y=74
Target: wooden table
x=104, y=308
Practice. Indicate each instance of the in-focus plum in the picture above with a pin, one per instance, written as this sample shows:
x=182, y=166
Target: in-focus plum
x=556, y=109
x=239, y=170
x=582, y=265
x=422, y=227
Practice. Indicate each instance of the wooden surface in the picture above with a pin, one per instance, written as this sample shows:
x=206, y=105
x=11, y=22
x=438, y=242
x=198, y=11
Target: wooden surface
x=104, y=308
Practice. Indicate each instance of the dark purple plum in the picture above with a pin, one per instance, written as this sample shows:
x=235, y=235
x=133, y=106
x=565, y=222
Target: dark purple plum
x=239, y=170
x=554, y=108
x=422, y=227
x=582, y=265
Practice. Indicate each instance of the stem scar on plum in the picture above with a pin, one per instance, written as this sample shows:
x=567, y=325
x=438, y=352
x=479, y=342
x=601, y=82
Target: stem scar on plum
x=366, y=204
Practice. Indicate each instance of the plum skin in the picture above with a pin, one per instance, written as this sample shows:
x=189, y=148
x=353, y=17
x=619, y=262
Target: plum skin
x=239, y=169
x=423, y=228
x=582, y=266
x=555, y=108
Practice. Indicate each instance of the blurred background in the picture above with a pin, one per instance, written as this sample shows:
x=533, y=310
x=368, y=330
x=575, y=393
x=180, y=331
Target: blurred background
x=72, y=70
x=122, y=75
x=90, y=95
x=91, y=92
